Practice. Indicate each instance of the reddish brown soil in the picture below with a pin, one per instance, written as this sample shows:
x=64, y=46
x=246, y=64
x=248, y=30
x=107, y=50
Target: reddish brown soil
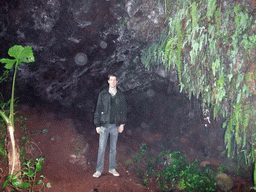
x=65, y=176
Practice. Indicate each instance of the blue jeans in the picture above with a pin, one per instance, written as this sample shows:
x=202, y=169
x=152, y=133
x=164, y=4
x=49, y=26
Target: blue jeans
x=112, y=130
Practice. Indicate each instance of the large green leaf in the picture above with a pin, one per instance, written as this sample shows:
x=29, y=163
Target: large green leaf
x=38, y=167
x=24, y=185
x=9, y=62
x=27, y=55
x=20, y=54
x=30, y=173
x=39, y=182
x=15, y=182
x=15, y=51
x=6, y=183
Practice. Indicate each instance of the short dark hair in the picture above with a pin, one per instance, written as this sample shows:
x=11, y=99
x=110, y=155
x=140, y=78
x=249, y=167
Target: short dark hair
x=112, y=75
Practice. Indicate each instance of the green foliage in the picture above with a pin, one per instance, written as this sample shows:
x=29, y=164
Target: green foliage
x=20, y=55
x=211, y=6
x=194, y=14
x=187, y=176
x=29, y=169
x=222, y=168
x=218, y=20
x=4, y=76
x=213, y=53
x=3, y=153
x=171, y=171
x=28, y=174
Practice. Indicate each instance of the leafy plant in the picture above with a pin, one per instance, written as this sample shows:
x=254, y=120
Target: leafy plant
x=29, y=169
x=187, y=176
x=222, y=168
x=211, y=46
x=171, y=171
x=20, y=55
x=28, y=174
x=3, y=151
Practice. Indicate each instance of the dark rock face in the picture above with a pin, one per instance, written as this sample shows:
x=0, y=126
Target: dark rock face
x=108, y=34
x=146, y=19
x=77, y=43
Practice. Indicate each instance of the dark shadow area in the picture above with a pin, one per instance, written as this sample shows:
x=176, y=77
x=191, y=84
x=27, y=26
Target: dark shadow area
x=160, y=120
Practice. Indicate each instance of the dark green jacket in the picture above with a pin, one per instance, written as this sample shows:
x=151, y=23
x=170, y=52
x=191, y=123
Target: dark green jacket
x=102, y=113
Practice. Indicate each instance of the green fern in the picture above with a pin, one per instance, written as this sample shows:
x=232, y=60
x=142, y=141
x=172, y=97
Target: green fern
x=205, y=49
x=194, y=14
x=218, y=20
x=211, y=6
x=237, y=16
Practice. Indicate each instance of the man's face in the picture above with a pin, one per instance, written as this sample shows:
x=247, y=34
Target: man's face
x=112, y=82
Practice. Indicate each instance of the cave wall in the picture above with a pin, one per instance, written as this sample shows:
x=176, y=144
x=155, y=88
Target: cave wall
x=78, y=43
x=109, y=35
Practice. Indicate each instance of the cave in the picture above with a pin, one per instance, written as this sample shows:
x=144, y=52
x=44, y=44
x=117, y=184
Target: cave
x=77, y=44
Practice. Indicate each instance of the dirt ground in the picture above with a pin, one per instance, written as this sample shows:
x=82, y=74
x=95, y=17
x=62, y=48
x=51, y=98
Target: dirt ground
x=70, y=154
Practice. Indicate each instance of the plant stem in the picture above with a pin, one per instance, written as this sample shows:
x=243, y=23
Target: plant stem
x=4, y=117
x=12, y=98
x=11, y=117
x=11, y=132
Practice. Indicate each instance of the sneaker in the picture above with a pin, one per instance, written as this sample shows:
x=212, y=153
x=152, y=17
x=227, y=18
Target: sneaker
x=114, y=172
x=97, y=174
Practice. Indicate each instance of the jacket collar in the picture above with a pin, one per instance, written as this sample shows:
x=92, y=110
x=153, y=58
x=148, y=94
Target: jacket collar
x=111, y=93
x=107, y=91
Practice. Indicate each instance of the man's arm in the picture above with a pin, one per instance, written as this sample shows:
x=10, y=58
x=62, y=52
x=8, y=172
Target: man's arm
x=97, y=113
x=123, y=115
x=123, y=110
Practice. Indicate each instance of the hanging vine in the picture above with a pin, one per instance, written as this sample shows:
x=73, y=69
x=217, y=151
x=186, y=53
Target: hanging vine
x=212, y=46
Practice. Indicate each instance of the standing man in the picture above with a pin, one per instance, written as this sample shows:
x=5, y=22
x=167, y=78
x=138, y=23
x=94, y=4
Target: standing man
x=109, y=119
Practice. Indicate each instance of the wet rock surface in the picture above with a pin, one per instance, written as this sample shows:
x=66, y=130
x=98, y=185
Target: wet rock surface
x=77, y=43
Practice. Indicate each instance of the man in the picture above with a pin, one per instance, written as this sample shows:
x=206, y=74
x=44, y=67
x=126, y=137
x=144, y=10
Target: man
x=109, y=119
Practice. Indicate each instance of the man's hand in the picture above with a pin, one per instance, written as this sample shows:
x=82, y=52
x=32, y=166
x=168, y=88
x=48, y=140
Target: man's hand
x=98, y=130
x=121, y=128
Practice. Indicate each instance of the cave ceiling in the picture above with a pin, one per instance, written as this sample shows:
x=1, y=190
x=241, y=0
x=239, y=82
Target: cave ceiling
x=77, y=43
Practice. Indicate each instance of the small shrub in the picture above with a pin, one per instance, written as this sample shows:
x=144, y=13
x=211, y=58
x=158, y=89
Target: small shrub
x=29, y=172
x=172, y=171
